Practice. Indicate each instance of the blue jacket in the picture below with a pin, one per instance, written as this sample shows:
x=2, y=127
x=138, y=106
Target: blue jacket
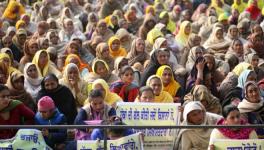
x=56, y=136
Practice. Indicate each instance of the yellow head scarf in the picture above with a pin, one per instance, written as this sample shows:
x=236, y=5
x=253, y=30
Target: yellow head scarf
x=35, y=61
x=218, y=9
x=164, y=96
x=241, y=67
x=171, y=26
x=120, y=52
x=181, y=37
x=240, y=7
x=9, y=11
x=153, y=35
x=10, y=68
x=148, y=8
x=97, y=61
x=173, y=86
x=110, y=98
x=19, y=23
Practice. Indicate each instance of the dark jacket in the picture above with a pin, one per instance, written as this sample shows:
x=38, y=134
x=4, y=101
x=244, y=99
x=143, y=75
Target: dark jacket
x=55, y=135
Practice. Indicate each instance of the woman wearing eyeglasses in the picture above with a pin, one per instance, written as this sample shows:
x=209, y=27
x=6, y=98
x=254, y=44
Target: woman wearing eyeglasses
x=231, y=116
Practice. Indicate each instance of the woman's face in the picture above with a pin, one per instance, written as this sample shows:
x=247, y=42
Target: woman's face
x=253, y=95
x=123, y=63
x=187, y=29
x=115, y=45
x=7, y=42
x=219, y=34
x=147, y=96
x=50, y=84
x=42, y=29
x=101, y=28
x=53, y=25
x=197, y=41
x=33, y=48
x=252, y=77
x=164, y=44
x=4, y=99
x=73, y=75
x=19, y=84
x=73, y=49
x=166, y=76
x=210, y=63
x=114, y=20
x=255, y=61
x=43, y=60
x=69, y=26
x=105, y=52
x=233, y=118
x=45, y=44
x=22, y=39
x=97, y=104
x=150, y=24
x=54, y=39
x=124, y=39
x=163, y=57
x=234, y=32
x=156, y=85
x=238, y=48
x=196, y=117
x=101, y=88
x=128, y=76
x=32, y=72
x=258, y=30
x=198, y=53
x=101, y=70
x=140, y=46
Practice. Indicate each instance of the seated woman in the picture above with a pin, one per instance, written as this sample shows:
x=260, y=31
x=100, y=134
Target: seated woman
x=245, y=76
x=12, y=112
x=231, y=116
x=96, y=109
x=137, y=52
x=253, y=59
x=252, y=106
x=5, y=59
x=32, y=82
x=170, y=85
x=161, y=96
x=236, y=48
x=115, y=47
x=194, y=53
x=103, y=53
x=200, y=75
x=31, y=46
x=195, y=114
x=101, y=70
x=125, y=87
x=62, y=96
x=48, y=114
x=216, y=44
x=15, y=83
x=71, y=79
x=146, y=94
x=110, y=98
x=42, y=62
x=202, y=94
x=83, y=68
x=158, y=58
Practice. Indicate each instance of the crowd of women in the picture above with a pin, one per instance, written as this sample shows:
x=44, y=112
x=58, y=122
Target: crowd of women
x=71, y=61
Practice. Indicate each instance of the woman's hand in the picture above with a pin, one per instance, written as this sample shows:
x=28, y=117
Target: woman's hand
x=200, y=65
x=45, y=132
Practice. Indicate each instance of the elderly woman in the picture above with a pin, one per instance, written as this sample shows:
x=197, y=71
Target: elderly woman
x=103, y=53
x=202, y=94
x=195, y=114
x=252, y=106
x=253, y=59
x=102, y=30
x=72, y=79
x=137, y=53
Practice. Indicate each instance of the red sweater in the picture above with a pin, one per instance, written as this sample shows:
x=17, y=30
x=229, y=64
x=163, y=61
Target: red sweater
x=19, y=113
